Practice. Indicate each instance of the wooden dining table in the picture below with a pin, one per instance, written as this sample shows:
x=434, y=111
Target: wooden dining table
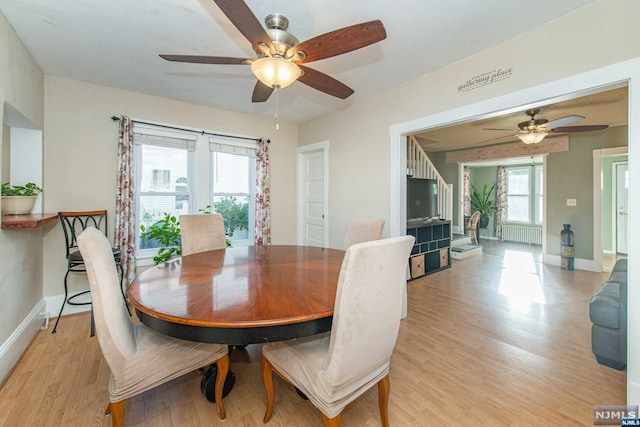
x=240, y=295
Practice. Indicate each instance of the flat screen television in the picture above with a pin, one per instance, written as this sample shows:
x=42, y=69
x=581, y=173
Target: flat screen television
x=422, y=198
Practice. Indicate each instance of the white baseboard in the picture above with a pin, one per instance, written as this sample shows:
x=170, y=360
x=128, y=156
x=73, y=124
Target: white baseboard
x=12, y=349
x=578, y=263
x=54, y=302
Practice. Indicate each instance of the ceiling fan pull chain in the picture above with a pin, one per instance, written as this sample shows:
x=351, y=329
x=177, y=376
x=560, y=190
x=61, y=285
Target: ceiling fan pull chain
x=275, y=116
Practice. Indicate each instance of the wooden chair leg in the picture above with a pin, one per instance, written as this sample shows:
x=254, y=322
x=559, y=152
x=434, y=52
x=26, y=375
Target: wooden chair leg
x=116, y=409
x=223, y=370
x=331, y=422
x=267, y=378
x=383, y=400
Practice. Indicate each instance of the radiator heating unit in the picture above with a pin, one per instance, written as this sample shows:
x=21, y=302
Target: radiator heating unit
x=522, y=234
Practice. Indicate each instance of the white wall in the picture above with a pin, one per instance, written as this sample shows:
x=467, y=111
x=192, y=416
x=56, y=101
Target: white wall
x=81, y=156
x=598, y=35
x=21, y=87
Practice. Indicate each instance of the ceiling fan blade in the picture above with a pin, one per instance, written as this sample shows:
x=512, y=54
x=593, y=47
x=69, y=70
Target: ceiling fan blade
x=261, y=92
x=246, y=22
x=339, y=41
x=196, y=59
x=591, y=128
x=563, y=121
x=324, y=83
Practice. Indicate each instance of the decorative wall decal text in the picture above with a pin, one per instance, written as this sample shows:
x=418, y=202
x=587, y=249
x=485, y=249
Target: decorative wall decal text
x=485, y=79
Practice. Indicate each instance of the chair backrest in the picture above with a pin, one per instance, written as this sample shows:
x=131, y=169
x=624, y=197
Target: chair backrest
x=368, y=308
x=473, y=221
x=74, y=223
x=114, y=327
x=362, y=230
x=202, y=232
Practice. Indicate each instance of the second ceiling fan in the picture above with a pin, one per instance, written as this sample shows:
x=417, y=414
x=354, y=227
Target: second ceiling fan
x=279, y=54
x=534, y=130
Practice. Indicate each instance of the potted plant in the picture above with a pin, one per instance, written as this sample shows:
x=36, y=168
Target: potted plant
x=165, y=231
x=484, y=203
x=19, y=199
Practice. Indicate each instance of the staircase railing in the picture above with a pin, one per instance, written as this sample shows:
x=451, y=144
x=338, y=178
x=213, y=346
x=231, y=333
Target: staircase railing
x=419, y=166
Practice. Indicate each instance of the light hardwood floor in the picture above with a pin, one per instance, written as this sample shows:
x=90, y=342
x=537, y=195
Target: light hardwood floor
x=498, y=339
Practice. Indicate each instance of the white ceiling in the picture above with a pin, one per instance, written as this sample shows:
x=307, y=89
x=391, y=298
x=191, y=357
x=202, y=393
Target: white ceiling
x=116, y=43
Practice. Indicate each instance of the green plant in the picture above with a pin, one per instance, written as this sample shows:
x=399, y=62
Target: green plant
x=165, y=231
x=29, y=189
x=483, y=202
x=234, y=214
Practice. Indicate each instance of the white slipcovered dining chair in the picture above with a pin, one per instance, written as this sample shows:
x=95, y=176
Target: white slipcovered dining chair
x=335, y=368
x=138, y=357
x=201, y=233
x=362, y=230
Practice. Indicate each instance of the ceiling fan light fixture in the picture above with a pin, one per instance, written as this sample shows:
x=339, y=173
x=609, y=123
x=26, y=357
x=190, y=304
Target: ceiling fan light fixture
x=532, y=137
x=275, y=72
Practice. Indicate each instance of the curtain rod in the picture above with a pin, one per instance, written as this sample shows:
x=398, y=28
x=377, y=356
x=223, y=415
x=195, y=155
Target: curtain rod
x=202, y=132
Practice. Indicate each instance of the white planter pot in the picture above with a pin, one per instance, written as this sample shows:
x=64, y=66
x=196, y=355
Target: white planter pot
x=17, y=205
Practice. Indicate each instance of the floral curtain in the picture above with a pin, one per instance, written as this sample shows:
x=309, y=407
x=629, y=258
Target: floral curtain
x=125, y=212
x=467, y=191
x=263, y=197
x=501, y=196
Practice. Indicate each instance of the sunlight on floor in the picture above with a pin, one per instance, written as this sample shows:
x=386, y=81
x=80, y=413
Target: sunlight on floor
x=520, y=281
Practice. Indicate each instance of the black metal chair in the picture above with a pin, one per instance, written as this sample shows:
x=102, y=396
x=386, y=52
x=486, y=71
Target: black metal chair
x=74, y=223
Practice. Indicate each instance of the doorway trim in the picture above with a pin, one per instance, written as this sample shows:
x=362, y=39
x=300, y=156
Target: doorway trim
x=597, y=198
x=302, y=151
x=615, y=203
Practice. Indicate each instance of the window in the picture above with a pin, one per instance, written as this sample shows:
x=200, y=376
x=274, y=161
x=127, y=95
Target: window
x=163, y=167
x=525, y=194
x=233, y=165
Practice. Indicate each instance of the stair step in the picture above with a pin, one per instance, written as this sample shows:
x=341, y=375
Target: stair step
x=460, y=239
x=465, y=251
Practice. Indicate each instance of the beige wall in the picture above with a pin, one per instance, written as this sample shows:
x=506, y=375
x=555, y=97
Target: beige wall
x=81, y=156
x=21, y=86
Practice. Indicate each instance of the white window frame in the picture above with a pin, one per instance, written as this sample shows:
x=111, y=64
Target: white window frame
x=146, y=129
x=240, y=147
x=538, y=172
x=535, y=197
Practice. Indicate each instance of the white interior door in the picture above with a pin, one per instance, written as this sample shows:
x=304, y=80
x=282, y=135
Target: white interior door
x=313, y=230
x=622, y=189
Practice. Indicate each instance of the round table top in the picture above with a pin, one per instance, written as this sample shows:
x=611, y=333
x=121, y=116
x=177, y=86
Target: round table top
x=241, y=287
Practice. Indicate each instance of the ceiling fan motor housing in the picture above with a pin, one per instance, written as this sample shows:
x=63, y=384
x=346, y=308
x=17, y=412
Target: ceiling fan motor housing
x=282, y=40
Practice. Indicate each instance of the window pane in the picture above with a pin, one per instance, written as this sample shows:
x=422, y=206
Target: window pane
x=162, y=168
x=518, y=181
x=230, y=173
x=235, y=212
x=518, y=208
x=152, y=208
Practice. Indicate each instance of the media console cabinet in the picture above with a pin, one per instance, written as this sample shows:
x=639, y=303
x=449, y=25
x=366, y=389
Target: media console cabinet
x=431, y=251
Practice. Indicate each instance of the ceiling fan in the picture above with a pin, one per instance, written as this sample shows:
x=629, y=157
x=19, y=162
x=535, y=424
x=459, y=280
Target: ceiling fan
x=534, y=130
x=280, y=55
